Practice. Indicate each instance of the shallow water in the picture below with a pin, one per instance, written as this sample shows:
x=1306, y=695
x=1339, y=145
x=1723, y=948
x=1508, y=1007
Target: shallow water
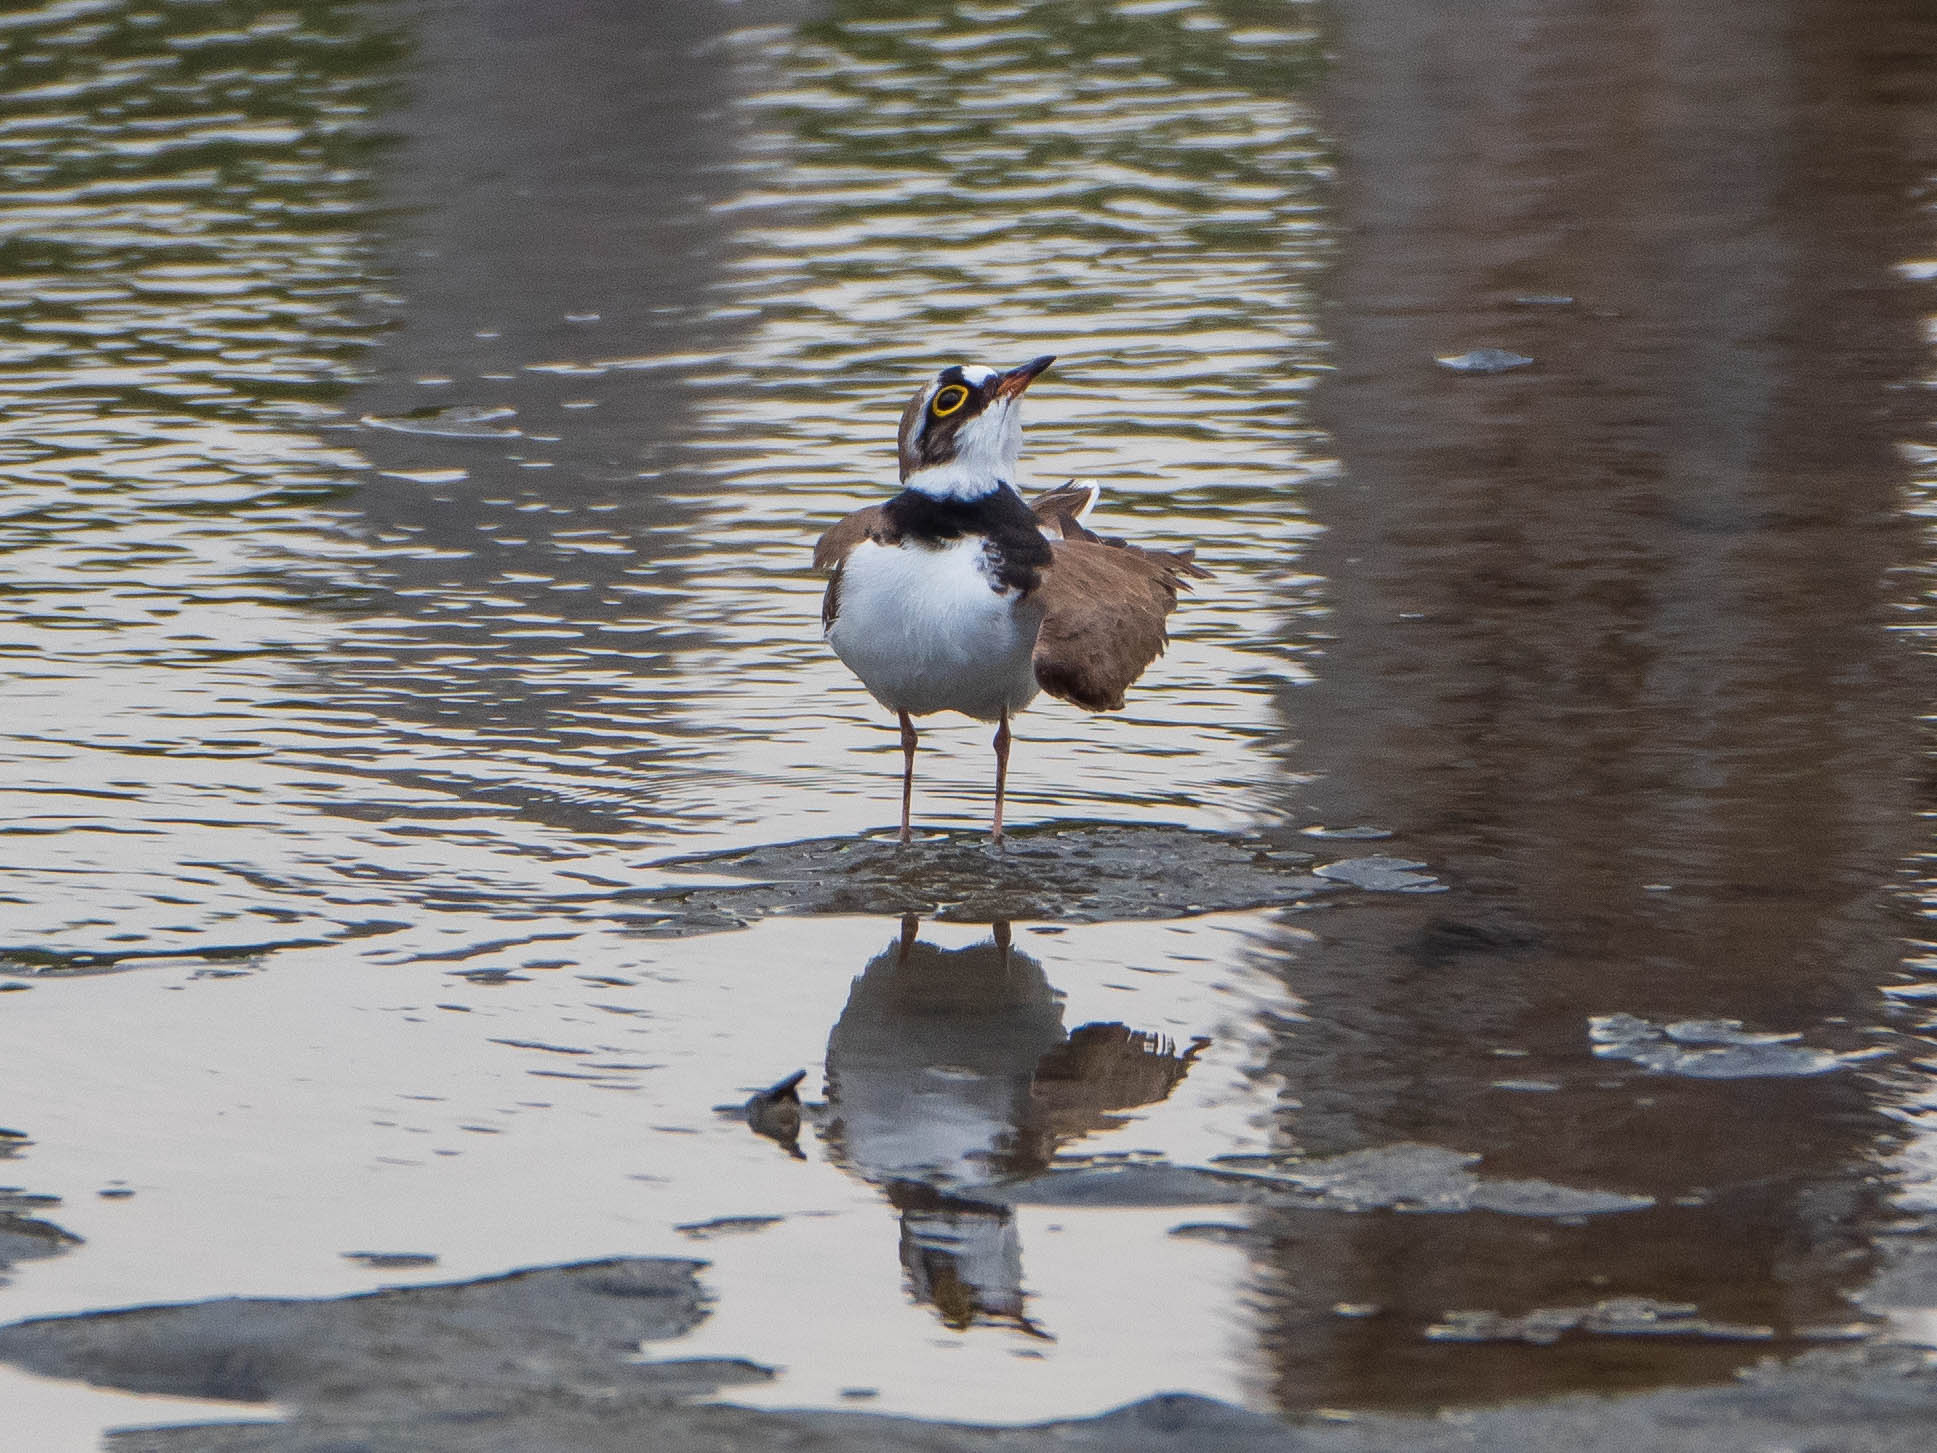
x=1486, y=957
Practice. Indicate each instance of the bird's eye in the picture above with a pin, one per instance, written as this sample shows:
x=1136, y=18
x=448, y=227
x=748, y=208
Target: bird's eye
x=949, y=400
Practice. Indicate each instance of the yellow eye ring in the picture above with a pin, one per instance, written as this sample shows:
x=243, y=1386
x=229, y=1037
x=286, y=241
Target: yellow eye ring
x=949, y=401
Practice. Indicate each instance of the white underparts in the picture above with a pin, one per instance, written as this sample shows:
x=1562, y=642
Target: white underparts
x=926, y=629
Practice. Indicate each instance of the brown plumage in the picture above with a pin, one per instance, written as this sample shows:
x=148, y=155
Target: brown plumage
x=845, y=533
x=1103, y=600
x=1061, y=509
x=1103, y=618
x=831, y=552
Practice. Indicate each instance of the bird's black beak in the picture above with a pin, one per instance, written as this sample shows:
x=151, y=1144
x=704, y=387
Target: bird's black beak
x=1009, y=385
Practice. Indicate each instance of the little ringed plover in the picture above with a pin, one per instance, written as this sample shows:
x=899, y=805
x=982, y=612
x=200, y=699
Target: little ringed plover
x=957, y=595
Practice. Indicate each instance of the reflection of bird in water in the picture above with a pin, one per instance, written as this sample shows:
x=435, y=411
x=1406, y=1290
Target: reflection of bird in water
x=1099, y=1070
x=955, y=595
x=963, y=1257
x=928, y=1067
x=949, y=1071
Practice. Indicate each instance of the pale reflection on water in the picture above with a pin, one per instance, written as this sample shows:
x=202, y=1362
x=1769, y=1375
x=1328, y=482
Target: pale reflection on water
x=408, y=489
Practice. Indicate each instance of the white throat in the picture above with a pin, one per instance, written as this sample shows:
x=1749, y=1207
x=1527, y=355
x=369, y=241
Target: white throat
x=954, y=480
x=986, y=455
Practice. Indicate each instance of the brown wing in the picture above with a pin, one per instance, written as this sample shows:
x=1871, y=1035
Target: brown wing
x=1103, y=617
x=844, y=534
x=1059, y=510
x=831, y=552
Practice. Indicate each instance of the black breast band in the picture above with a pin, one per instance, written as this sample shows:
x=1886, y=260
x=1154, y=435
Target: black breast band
x=1016, y=545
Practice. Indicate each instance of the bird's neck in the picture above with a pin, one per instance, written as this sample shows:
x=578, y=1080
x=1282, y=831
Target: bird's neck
x=960, y=479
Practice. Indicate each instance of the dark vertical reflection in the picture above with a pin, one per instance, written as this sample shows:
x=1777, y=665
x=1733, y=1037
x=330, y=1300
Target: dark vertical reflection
x=555, y=234
x=1611, y=653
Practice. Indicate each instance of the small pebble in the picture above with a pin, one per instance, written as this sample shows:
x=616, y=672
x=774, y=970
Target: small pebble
x=1483, y=360
x=391, y=1260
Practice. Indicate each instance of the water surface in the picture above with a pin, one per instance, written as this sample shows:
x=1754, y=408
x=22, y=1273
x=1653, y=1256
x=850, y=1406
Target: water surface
x=1482, y=960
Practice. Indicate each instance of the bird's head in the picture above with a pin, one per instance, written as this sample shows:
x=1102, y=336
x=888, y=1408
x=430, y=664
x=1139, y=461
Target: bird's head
x=962, y=431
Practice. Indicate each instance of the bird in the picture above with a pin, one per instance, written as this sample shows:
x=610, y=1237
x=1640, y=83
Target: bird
x=958, y=595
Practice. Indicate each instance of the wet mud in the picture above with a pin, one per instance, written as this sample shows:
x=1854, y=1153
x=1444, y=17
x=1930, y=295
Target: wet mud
x=567, y=1359
x=1055, y=873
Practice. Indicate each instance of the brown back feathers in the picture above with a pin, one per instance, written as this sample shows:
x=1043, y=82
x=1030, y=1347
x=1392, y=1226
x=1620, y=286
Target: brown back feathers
x=1103, y=618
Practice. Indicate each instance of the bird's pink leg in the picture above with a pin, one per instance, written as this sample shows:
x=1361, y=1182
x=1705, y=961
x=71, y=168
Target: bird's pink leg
x=1001, y=773
x=907, y=773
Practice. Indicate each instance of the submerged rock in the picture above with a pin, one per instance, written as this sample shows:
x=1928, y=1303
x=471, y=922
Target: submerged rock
x=448, y=1348
x=1131, y=1185
x=544, y=1361
x=1403, y=1177
x=1412, y=1177
x=24, y=1236
x=1712, y=1049
x=1072, y=873
x=1380, y=874
x=1614, y=1317
x=392, y=1260
x=1483, y=360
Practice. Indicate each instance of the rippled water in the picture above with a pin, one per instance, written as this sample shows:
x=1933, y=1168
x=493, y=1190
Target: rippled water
x=409, y=478
x=547, y=624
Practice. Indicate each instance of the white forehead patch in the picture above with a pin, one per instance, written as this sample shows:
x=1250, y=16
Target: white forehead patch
x=977, y=373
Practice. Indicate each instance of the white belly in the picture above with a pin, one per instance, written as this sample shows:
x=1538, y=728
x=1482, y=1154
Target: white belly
x=926, y=630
